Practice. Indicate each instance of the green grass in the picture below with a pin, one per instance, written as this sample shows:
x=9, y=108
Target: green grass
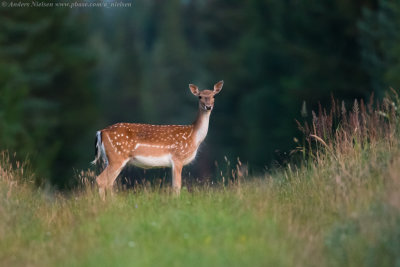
x=217, y=227
x=339, y=207
x=303, y=217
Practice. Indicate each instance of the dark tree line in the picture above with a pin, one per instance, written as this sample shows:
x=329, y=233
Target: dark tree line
x=66, y=72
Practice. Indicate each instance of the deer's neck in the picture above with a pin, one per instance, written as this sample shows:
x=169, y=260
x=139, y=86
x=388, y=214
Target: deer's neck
x=200, y=126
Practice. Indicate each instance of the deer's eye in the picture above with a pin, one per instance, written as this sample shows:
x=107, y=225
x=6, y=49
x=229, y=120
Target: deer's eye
x=199, y=97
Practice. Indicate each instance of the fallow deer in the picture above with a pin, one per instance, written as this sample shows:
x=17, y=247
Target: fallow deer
x=152, y=146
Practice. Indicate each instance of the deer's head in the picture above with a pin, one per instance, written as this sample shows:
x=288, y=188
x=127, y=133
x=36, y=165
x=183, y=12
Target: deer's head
x=206, y=97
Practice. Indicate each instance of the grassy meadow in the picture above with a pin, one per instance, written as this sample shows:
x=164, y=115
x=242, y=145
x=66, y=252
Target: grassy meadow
x=339, y=205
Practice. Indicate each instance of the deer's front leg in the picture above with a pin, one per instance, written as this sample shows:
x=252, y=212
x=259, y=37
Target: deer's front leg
x=177, y=176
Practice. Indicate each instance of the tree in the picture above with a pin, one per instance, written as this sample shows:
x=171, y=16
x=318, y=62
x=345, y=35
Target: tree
x=46, y=103
x=380, y=35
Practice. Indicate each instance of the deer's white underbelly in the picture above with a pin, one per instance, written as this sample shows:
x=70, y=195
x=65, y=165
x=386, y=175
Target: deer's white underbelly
x=152, y=162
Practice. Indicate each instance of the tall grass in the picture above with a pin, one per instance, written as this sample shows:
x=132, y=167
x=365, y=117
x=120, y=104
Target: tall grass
x=339, y=207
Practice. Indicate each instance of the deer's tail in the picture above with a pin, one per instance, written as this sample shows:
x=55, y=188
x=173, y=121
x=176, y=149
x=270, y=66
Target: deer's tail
x=100, y=152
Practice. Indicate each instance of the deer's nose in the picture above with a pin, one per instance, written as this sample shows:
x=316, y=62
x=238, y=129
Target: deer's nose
x=208, y=107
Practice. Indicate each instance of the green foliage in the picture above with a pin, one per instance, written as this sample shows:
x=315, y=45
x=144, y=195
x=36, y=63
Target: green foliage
x=380, y=36
x=46, y=101
x=64, y=74
x=361, y=240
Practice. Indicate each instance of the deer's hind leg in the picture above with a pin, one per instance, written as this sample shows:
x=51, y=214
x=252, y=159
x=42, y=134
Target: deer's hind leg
x=106, y=179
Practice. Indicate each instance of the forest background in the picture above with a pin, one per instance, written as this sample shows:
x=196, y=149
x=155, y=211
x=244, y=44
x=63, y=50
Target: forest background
x=67, y=72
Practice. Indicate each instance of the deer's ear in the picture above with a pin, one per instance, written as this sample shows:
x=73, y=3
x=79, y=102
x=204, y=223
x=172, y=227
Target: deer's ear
x=194, y=89
x=218, y=87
